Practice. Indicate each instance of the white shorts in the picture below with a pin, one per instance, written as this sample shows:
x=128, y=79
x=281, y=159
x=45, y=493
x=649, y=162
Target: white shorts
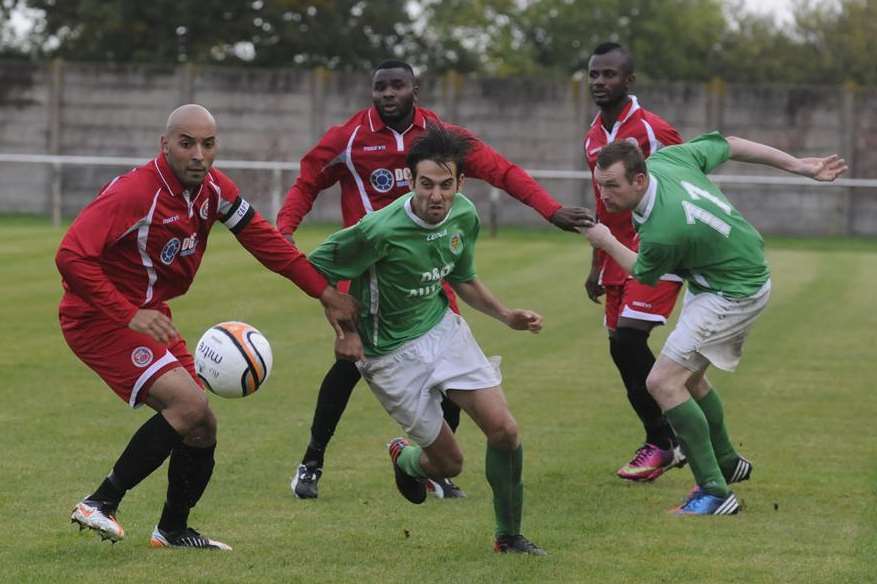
x=410, y=381
x=711, y=329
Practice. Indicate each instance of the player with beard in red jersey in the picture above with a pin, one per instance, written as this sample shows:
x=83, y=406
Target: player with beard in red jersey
x=632, y=309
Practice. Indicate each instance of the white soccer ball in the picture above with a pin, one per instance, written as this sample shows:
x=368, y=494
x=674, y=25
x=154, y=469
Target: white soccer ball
x=233, y=359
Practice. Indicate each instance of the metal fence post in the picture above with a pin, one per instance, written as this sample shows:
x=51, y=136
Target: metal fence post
x=276, y=186
x=56, y=91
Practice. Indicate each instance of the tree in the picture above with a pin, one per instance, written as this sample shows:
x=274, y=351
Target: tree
x=340, y=33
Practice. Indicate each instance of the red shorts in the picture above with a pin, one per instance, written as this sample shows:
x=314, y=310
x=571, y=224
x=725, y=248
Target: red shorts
x=128, y=361
x=344, y=286
x=635, y=300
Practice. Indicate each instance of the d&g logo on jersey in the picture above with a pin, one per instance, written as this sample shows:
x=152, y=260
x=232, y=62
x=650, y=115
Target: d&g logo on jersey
x=141, y=356
x=382, y=180
x=169, y=251
x=455, y=243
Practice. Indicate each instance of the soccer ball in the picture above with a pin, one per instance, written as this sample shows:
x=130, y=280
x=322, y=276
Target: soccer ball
x=233, y=359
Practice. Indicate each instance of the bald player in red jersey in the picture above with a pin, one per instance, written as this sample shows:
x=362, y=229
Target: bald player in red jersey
x=366, y=156
x=632, y=309
x=133, y=248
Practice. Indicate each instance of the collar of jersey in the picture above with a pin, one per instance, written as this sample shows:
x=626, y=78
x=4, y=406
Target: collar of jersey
x=170, y=181
x=420, y=222
x=644, y=209
x=631, y=108
x=376, y=123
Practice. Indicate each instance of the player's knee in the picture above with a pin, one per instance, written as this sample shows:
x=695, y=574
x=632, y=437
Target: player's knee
x=192, y=413
x=504, y=435
x=453, y=466
x=447, y=464
x=658, y=386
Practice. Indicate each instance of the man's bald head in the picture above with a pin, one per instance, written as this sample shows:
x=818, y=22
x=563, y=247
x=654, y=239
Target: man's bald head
x=188, y=115
x=189, y=143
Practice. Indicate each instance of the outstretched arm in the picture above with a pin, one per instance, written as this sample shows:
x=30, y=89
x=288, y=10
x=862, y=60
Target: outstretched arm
x=821, y=169
x=476, y=295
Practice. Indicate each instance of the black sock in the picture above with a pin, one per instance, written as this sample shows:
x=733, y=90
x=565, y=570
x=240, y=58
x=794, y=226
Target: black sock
x=150, y=445
x=451, y=411
x=188, y=473
x=332, y=400
x=109, y=492
x=633, y=357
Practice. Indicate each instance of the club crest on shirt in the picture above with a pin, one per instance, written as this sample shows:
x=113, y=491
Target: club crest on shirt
x=169, y=251
x=382, y=180
x=205, y=207
x=455, y=243
x=141, y=356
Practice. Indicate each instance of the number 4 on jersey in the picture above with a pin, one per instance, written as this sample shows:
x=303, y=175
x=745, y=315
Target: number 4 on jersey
x=696, y=213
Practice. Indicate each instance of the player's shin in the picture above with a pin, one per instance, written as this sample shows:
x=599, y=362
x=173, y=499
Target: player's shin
x=711, y=405
x=148, y=448
x=503, y=469
x=693, y=433
x=332, y=400
x=188, y=473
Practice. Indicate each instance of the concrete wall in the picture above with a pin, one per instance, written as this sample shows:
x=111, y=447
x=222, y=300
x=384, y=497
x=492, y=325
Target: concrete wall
x=88, y=109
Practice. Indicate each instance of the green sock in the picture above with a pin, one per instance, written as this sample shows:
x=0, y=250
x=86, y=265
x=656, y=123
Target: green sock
x=711, y=405
x=409, y=461
x=503, y=469
x=693, y=431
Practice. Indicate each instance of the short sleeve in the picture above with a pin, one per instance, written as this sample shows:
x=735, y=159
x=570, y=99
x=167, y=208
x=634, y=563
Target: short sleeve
x=704, y=153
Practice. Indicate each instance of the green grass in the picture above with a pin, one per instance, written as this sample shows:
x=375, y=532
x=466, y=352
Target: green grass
x=801, y=406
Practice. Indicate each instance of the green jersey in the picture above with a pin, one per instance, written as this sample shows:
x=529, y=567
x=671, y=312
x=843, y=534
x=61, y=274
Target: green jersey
x=687, y=226
x=396, y=263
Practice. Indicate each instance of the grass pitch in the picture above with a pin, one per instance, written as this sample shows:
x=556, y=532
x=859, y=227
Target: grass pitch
x=801, y=406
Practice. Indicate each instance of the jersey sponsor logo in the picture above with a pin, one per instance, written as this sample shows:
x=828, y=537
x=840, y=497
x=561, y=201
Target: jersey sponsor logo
x=374, y=148
x=382, y=180
x=170, y=219
x=205, y=207
x=190, y=244
x=402, y=177
x=433, y=281
x=437, y=235
x=169, y=251
x=455, y=243
x=141, y=357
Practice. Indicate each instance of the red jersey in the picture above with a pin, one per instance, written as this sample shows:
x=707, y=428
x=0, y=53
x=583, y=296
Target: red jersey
x=368, y=158
x=651, y=133
x=140, y=241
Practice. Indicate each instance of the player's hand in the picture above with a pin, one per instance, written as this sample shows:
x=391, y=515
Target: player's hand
x=573, y=218
x=341, y=310
x=593, y=288
x=349, y=347
x=822, y=169
x=153, y=323
x=599, y=235
x=524, y=320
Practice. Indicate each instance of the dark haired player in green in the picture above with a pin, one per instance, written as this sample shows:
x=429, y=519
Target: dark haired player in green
x=688, y=227
x=413, y=348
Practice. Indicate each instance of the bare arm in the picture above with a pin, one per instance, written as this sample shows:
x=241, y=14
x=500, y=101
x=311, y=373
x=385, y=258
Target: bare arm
x=821, y=169
x=600, y=237
x=476, y=295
